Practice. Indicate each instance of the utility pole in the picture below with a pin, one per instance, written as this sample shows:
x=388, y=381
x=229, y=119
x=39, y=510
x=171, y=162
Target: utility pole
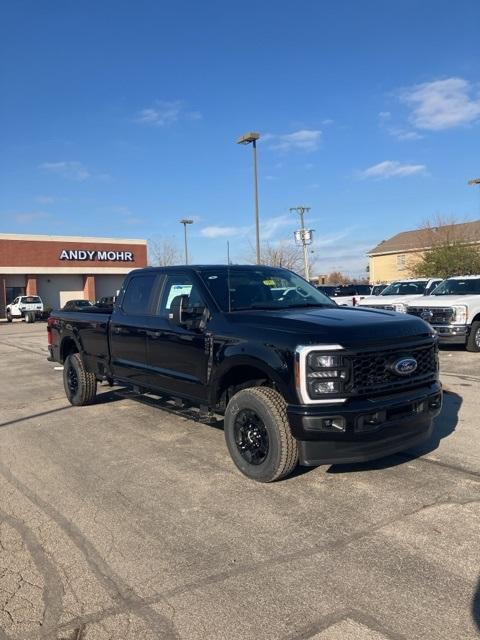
x=303, y=236
x=185, y=221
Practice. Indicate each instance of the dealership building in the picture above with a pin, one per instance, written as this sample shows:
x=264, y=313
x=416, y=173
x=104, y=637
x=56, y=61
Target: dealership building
x=62, y=268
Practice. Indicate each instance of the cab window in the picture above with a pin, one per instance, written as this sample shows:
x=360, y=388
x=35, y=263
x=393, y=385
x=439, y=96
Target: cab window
x=138, y=295
x=179, y=285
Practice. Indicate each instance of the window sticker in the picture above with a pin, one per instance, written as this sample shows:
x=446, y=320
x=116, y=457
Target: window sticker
x=178, y=290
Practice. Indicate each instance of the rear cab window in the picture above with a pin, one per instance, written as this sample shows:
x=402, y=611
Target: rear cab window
x=139, y=294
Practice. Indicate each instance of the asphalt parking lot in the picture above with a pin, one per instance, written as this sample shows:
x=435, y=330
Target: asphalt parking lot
x=127, y=520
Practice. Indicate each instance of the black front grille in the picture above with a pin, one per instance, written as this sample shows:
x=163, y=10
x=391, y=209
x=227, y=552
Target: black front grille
x=372, y=373
x=433, y=315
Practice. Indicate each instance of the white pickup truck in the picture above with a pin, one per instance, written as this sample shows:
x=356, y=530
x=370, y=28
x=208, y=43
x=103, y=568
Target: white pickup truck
x=453, y=310
x=398, y=295
x=28, y=307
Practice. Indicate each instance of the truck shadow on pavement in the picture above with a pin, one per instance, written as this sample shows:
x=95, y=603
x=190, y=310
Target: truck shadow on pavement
x=445, y=424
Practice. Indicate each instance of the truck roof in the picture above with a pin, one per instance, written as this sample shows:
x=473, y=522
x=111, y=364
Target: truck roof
x=205, y=267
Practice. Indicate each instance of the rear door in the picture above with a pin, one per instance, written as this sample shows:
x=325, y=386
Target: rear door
x=129, y=324
x=178, y=356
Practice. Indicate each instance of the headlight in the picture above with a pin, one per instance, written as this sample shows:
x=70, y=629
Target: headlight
x=400, y=307
x=325, y=374
x=460, y=314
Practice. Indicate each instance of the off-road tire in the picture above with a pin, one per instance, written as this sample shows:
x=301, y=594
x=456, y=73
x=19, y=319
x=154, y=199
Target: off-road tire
x=27, y=317
x=271, y=408
x=86, y=389
x=473, y=341
x=9, y=316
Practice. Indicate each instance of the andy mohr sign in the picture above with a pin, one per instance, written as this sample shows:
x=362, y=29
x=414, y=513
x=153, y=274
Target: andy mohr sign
x=106, y=256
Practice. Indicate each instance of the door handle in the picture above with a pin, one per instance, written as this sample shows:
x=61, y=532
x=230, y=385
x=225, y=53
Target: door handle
x=117, y=330
x=154, y=334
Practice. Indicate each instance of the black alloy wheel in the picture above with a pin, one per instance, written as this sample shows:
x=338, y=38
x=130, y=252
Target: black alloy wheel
x=72, y=379
x=251, y=437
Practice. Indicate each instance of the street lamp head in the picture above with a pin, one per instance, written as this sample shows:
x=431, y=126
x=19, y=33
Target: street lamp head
x=474, y=181
x=251, y=136
x=186, y=221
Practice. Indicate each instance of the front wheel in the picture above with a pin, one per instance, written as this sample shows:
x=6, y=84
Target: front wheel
x=9, y=316
x=258, y=434
x=473, y=341
x=80, y=385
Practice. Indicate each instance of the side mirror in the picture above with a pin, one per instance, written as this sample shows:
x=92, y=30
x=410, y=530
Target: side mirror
x=177, y=309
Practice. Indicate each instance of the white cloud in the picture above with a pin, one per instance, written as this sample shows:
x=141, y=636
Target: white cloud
x=269, y=228
x=302, y=140
x=223, y=232
x=392, y=169
x=164, y=113
x=46, y=199
x=400, y=133
x=404, y=134
x=30, y=216
x=71, y=170
x=442, y=104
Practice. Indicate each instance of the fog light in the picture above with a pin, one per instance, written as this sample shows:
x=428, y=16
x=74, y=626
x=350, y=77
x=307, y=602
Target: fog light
x=435, y=402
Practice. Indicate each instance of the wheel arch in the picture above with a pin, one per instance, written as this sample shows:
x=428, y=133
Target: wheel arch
x=67, y=347
x=240, y=373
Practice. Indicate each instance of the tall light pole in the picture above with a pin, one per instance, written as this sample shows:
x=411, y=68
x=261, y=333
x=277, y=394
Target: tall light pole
x=185, y=221
x=303, y=236
x=252, y=137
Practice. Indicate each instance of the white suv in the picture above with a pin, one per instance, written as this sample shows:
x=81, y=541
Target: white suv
x=453, y=310
x=398, y=295
x=28, y=307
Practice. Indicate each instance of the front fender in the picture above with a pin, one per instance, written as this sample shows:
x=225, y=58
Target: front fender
x=273, y=363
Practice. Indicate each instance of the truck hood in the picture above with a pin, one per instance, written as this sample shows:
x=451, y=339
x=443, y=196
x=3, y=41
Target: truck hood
x=446, y=301
x=383, y=300
x=348, y=326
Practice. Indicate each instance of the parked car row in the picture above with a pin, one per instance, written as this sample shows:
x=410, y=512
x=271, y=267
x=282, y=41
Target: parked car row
x=31, y=308
x=451, y=306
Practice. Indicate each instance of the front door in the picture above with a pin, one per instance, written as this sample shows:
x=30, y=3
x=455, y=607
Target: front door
x=178, y=356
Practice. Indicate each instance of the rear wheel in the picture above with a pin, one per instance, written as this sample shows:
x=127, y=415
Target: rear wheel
x=258, y=434
x=473, y=341
x=80, y=385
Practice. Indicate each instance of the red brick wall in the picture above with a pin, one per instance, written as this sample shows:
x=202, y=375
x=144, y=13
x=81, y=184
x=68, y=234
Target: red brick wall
x=38, y=253
x=31, y=289
x=89, y=288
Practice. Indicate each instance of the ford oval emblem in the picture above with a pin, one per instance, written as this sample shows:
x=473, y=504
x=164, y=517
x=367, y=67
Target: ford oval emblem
x=426, y=315
x=404, y=366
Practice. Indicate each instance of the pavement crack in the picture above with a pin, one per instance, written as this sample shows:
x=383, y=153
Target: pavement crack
x=114, y=584
x=52, y=592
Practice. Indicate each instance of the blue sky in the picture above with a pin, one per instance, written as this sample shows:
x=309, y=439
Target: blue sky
x=119, y=118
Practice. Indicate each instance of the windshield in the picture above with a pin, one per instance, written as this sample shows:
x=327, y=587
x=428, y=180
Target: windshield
x=458, y=287
x=405, y=288
x=261, y=288
x=31, y=300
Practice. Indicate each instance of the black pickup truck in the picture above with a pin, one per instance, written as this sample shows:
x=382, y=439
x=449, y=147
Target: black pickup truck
x=297, y=378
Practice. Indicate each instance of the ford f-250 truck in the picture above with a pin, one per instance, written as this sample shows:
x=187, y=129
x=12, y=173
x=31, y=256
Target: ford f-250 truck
x=453, y=310
x=297, y=378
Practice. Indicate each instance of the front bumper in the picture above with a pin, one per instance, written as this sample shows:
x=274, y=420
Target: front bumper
x=402, y=420
x=452, y=333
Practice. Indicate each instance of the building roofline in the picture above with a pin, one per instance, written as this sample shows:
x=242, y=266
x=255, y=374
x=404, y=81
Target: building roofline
x=85, y=239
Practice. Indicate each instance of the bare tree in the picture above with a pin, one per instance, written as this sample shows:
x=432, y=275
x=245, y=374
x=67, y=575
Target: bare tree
x=164, y=253
x=282, y=254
